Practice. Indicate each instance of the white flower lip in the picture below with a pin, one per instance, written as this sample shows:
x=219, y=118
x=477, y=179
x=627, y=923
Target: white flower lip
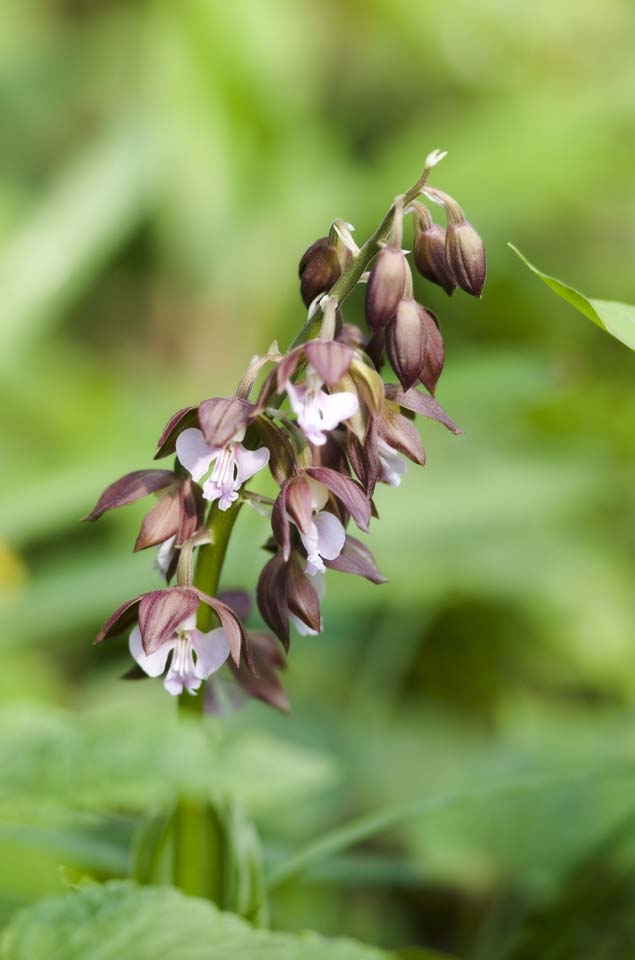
x=233, y=464
x=318, y=411
x=185, y=672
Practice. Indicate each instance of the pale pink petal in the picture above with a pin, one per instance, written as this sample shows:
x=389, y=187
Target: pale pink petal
x=212, y=650
x=249, y=462
x=319, y=494
x=296, y=397
x=154, y=664
x=301, y=627
x=393, y=466
x=176, y=682
x=331, y=535
x=165, y=555
x=194, y=453
x=310, y=541
x=211, y=492
x=305, y=404
x=318, y=581
x=335, y=407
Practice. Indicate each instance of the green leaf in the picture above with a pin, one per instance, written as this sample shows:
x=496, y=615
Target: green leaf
x=141, y=757
x=88, y=212
x=618, y=319
x=388, y=818
x=122, y=922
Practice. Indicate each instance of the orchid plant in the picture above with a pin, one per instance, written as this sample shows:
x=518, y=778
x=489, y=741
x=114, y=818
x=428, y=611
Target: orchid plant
x=329, y=428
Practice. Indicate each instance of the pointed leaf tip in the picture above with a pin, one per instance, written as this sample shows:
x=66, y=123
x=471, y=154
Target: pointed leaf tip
x=615, y=318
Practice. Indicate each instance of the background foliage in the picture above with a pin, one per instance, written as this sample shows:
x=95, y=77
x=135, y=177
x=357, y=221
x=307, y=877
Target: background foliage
x=164, y=166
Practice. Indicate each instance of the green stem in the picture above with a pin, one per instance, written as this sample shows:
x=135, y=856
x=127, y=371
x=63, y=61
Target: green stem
x=347, y=282
x=198, y=849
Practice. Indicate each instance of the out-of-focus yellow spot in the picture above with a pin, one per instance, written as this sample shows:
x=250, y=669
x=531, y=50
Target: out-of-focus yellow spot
x=12, y=569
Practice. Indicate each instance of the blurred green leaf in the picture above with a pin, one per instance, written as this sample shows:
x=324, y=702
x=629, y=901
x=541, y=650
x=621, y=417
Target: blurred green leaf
x=372, y=825
x=137, y=759
x=88, y=211
x=618, y=319
x=121, y=922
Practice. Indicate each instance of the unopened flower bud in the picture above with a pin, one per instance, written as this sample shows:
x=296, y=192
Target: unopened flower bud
x=430, y=257
x=465, y=254
x=319, y=269
x=406, y=342
x=385, y=287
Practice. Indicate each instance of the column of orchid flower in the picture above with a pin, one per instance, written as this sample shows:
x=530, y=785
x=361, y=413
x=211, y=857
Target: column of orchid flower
x=343, y=431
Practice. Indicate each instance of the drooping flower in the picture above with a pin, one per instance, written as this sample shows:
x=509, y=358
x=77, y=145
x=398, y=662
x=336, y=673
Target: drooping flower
x=195, y=656
x=232, y=464
x=302, y=501
x=177, y=515
x=166, y=628
x=209, y=437
x=318, y=411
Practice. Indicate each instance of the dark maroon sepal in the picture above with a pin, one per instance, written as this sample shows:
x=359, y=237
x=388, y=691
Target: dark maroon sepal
x=347, y=490
x=435, y=352
x=161, y=523
x=221, y=418
x=123, y=617
x=161, y=612
x=181, y=420
x=418, y=402
x=269, y=660
x=287, y=367
x=133, y=486
x=399, y=433
x=271, y=595
x=302, y=595
x=329, y=359
x=234, y=630
x=363, y=457
x=356, y=558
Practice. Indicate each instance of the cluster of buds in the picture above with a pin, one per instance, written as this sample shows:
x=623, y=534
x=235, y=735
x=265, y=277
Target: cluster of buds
x=329, y=429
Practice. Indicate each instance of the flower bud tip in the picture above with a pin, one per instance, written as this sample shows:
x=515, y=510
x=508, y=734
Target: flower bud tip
x=435, y=157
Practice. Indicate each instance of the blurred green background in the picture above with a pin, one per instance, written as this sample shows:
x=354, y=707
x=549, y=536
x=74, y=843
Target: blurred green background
x=164, y=166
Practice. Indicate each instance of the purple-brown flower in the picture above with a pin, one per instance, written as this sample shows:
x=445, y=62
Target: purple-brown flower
x=177, y=515
x=317, y=410
x=166, y=630
x=208, y=442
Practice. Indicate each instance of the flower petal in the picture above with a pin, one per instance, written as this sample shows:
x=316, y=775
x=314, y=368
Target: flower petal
x=175, y=682
x=194, y=452
x=335, y=407
x=296, y=397
x=301, y=627
x=249, y=462
x=212, y=650
x=152, y=664
x=331, y=535
x=165, y=556
x=393, y=467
